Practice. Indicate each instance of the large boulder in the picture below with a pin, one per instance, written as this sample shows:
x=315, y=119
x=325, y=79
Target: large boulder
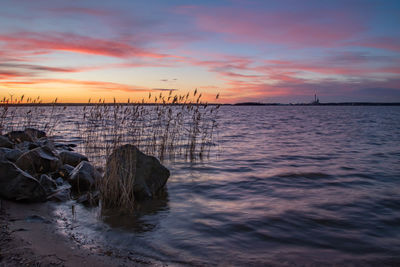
x=16, y=184
x=83, y=177
x=129, y=163
x=5, y=142
x=39, y=160
x=29, y=135
x=72, y=158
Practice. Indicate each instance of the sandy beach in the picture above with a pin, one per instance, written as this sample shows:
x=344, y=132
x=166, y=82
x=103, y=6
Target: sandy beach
x=29, y=237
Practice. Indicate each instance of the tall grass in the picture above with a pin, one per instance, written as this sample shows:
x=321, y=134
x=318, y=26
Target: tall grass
x=165, y=126
x=20, y=113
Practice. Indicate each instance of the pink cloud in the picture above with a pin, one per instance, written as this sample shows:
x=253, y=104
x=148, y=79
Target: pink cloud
x=75, y=43
x=386, y=43
x=296, y=29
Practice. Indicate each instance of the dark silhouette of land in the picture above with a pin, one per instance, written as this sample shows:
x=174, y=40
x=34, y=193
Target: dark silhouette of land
x=321, y=104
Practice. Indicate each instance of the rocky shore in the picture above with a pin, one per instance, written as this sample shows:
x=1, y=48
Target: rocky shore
x=36, y=173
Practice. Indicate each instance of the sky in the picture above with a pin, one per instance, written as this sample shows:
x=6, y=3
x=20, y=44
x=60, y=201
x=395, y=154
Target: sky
x=261, y=51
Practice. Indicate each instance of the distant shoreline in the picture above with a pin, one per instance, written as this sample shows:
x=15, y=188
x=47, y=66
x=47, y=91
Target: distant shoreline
x=211, y=104
x=322, y=104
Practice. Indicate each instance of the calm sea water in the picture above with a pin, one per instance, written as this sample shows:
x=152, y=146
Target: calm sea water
x=291, y=185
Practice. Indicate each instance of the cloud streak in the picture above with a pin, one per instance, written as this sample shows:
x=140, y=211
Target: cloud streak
x=70, y=42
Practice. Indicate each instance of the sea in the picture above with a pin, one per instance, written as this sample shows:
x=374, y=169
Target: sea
x=284, y=186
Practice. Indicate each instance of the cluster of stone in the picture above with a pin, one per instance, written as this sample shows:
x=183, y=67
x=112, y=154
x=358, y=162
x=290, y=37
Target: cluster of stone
x=35, y=168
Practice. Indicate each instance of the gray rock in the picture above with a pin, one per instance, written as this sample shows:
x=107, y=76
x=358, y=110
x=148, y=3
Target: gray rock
x=15, y=184
x=47, y=183
x=83, y=177
x=72, y=158
x=64, y=171
x=5, y=142
x=34, y=133
x=19, y=137
x=10, y=154
x=26, y=146
x=39, y=160
x=128, y=162
x=59, y=181
x=44, y=141
x=3, y=152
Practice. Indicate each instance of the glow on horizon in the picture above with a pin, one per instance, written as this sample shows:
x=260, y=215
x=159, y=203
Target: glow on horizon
x=264, y=51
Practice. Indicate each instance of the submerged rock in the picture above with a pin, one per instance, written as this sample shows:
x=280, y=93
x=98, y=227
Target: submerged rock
x=39, y=160
x=83, y=177
x=5, y=142
x=148, y=174
x=15, y=184
x=72, y=158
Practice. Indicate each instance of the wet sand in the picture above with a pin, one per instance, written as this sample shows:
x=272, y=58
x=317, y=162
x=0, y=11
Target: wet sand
x=29, y=237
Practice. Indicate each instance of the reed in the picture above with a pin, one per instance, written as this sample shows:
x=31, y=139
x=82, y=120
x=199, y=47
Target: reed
x=165, y=126
x=20, y=113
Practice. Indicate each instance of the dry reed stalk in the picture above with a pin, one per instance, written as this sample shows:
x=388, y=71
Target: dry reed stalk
x=117, y=186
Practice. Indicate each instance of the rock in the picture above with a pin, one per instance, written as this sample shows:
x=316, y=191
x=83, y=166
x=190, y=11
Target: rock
x=26, y=146
x=64, y=171
x=47, y=183
x=10, y=154
x=83, y=177
x=39, y=160
x=5, y=142
x=72, y=158
x=128, y=162
x=15, y=184
x=13, y=154
x=19, y=137
x=59, y=181
x=34, y=133
x=44, y=141
x=3, y=152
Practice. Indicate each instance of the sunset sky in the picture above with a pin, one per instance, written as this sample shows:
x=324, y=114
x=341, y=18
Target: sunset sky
x=264, y=51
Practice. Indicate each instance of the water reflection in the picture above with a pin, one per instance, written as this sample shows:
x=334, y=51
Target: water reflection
x=145, y=217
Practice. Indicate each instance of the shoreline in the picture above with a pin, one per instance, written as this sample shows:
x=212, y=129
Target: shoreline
x=29, y=237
